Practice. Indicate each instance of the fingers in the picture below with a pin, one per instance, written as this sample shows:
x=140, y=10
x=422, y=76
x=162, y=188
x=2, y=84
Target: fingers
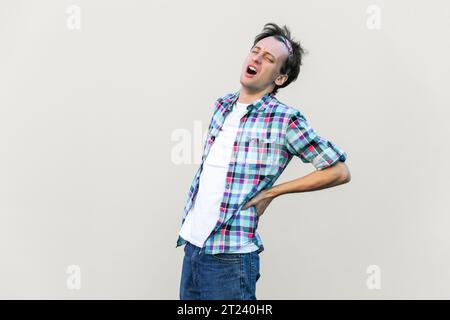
x=247, y=205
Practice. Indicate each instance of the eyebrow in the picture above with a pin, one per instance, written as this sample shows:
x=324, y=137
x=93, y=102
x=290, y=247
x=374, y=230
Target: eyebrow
x=266, y=52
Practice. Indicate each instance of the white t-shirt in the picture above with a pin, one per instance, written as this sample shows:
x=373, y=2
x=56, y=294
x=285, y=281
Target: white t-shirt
x=205, y=211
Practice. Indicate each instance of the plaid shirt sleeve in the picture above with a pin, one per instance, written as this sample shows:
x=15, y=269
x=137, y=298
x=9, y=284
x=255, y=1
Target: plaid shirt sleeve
x=304, y=142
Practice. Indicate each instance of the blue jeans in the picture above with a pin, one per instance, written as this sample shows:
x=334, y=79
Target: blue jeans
x=222, y=276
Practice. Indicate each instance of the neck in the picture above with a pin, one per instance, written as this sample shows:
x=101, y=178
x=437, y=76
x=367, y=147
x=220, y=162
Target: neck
x=246, y=96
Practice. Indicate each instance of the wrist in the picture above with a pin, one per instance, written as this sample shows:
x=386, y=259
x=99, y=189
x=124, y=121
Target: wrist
x=272, y=193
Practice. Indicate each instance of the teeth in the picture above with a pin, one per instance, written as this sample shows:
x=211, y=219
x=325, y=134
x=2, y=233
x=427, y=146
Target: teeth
x=253, y=68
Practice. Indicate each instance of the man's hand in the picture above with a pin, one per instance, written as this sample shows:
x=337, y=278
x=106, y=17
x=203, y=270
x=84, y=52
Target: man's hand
x=319, y=179
x=260, y=201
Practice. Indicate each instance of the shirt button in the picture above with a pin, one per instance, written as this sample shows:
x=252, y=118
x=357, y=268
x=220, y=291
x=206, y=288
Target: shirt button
x=228, y=186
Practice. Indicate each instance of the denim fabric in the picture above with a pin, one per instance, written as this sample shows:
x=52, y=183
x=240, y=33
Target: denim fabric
x=221, y=276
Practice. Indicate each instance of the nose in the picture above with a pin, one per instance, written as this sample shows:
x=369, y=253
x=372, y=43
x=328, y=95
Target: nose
x=257, y=57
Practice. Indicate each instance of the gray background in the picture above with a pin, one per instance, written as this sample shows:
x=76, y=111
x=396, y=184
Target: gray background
x=87, y=175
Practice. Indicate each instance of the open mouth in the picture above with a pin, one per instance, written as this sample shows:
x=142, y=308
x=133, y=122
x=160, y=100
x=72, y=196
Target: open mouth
x=251, y=70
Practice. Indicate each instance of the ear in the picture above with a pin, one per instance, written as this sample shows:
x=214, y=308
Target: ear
x=281, y=79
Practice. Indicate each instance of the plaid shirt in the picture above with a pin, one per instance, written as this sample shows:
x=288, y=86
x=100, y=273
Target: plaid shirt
x=269, y=135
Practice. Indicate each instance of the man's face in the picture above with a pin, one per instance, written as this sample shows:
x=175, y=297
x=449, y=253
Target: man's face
x=267, y=56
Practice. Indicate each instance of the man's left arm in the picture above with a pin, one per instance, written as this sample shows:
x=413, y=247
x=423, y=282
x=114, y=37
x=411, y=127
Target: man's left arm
x=332, y=176
x=328, y=158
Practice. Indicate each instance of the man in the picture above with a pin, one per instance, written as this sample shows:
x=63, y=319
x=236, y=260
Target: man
x=251, y=139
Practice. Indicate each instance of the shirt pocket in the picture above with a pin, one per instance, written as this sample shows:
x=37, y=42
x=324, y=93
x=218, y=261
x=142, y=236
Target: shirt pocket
x=261, y=155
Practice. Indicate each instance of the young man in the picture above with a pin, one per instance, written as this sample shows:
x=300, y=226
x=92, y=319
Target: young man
x=251, y=139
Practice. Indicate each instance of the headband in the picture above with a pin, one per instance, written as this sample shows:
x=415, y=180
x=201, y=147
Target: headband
x=288, y=44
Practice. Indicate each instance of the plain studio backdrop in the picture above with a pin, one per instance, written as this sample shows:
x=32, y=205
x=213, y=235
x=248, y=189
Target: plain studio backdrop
x=103, y=105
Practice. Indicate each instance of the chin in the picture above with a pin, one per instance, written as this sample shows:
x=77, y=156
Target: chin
x=247, y=82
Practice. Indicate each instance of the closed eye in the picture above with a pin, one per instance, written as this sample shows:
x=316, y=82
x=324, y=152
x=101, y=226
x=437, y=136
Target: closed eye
x=267, y=56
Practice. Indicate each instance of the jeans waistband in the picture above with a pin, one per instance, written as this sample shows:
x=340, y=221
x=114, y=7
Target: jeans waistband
x=196, y=248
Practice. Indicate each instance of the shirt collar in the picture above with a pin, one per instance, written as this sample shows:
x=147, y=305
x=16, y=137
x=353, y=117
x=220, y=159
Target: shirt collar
x=257, y=105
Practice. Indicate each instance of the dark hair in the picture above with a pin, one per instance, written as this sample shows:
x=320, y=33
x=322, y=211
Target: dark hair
x=291, y=66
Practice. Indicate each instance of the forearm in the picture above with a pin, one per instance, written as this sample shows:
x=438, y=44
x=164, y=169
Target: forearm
x=319, y=179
